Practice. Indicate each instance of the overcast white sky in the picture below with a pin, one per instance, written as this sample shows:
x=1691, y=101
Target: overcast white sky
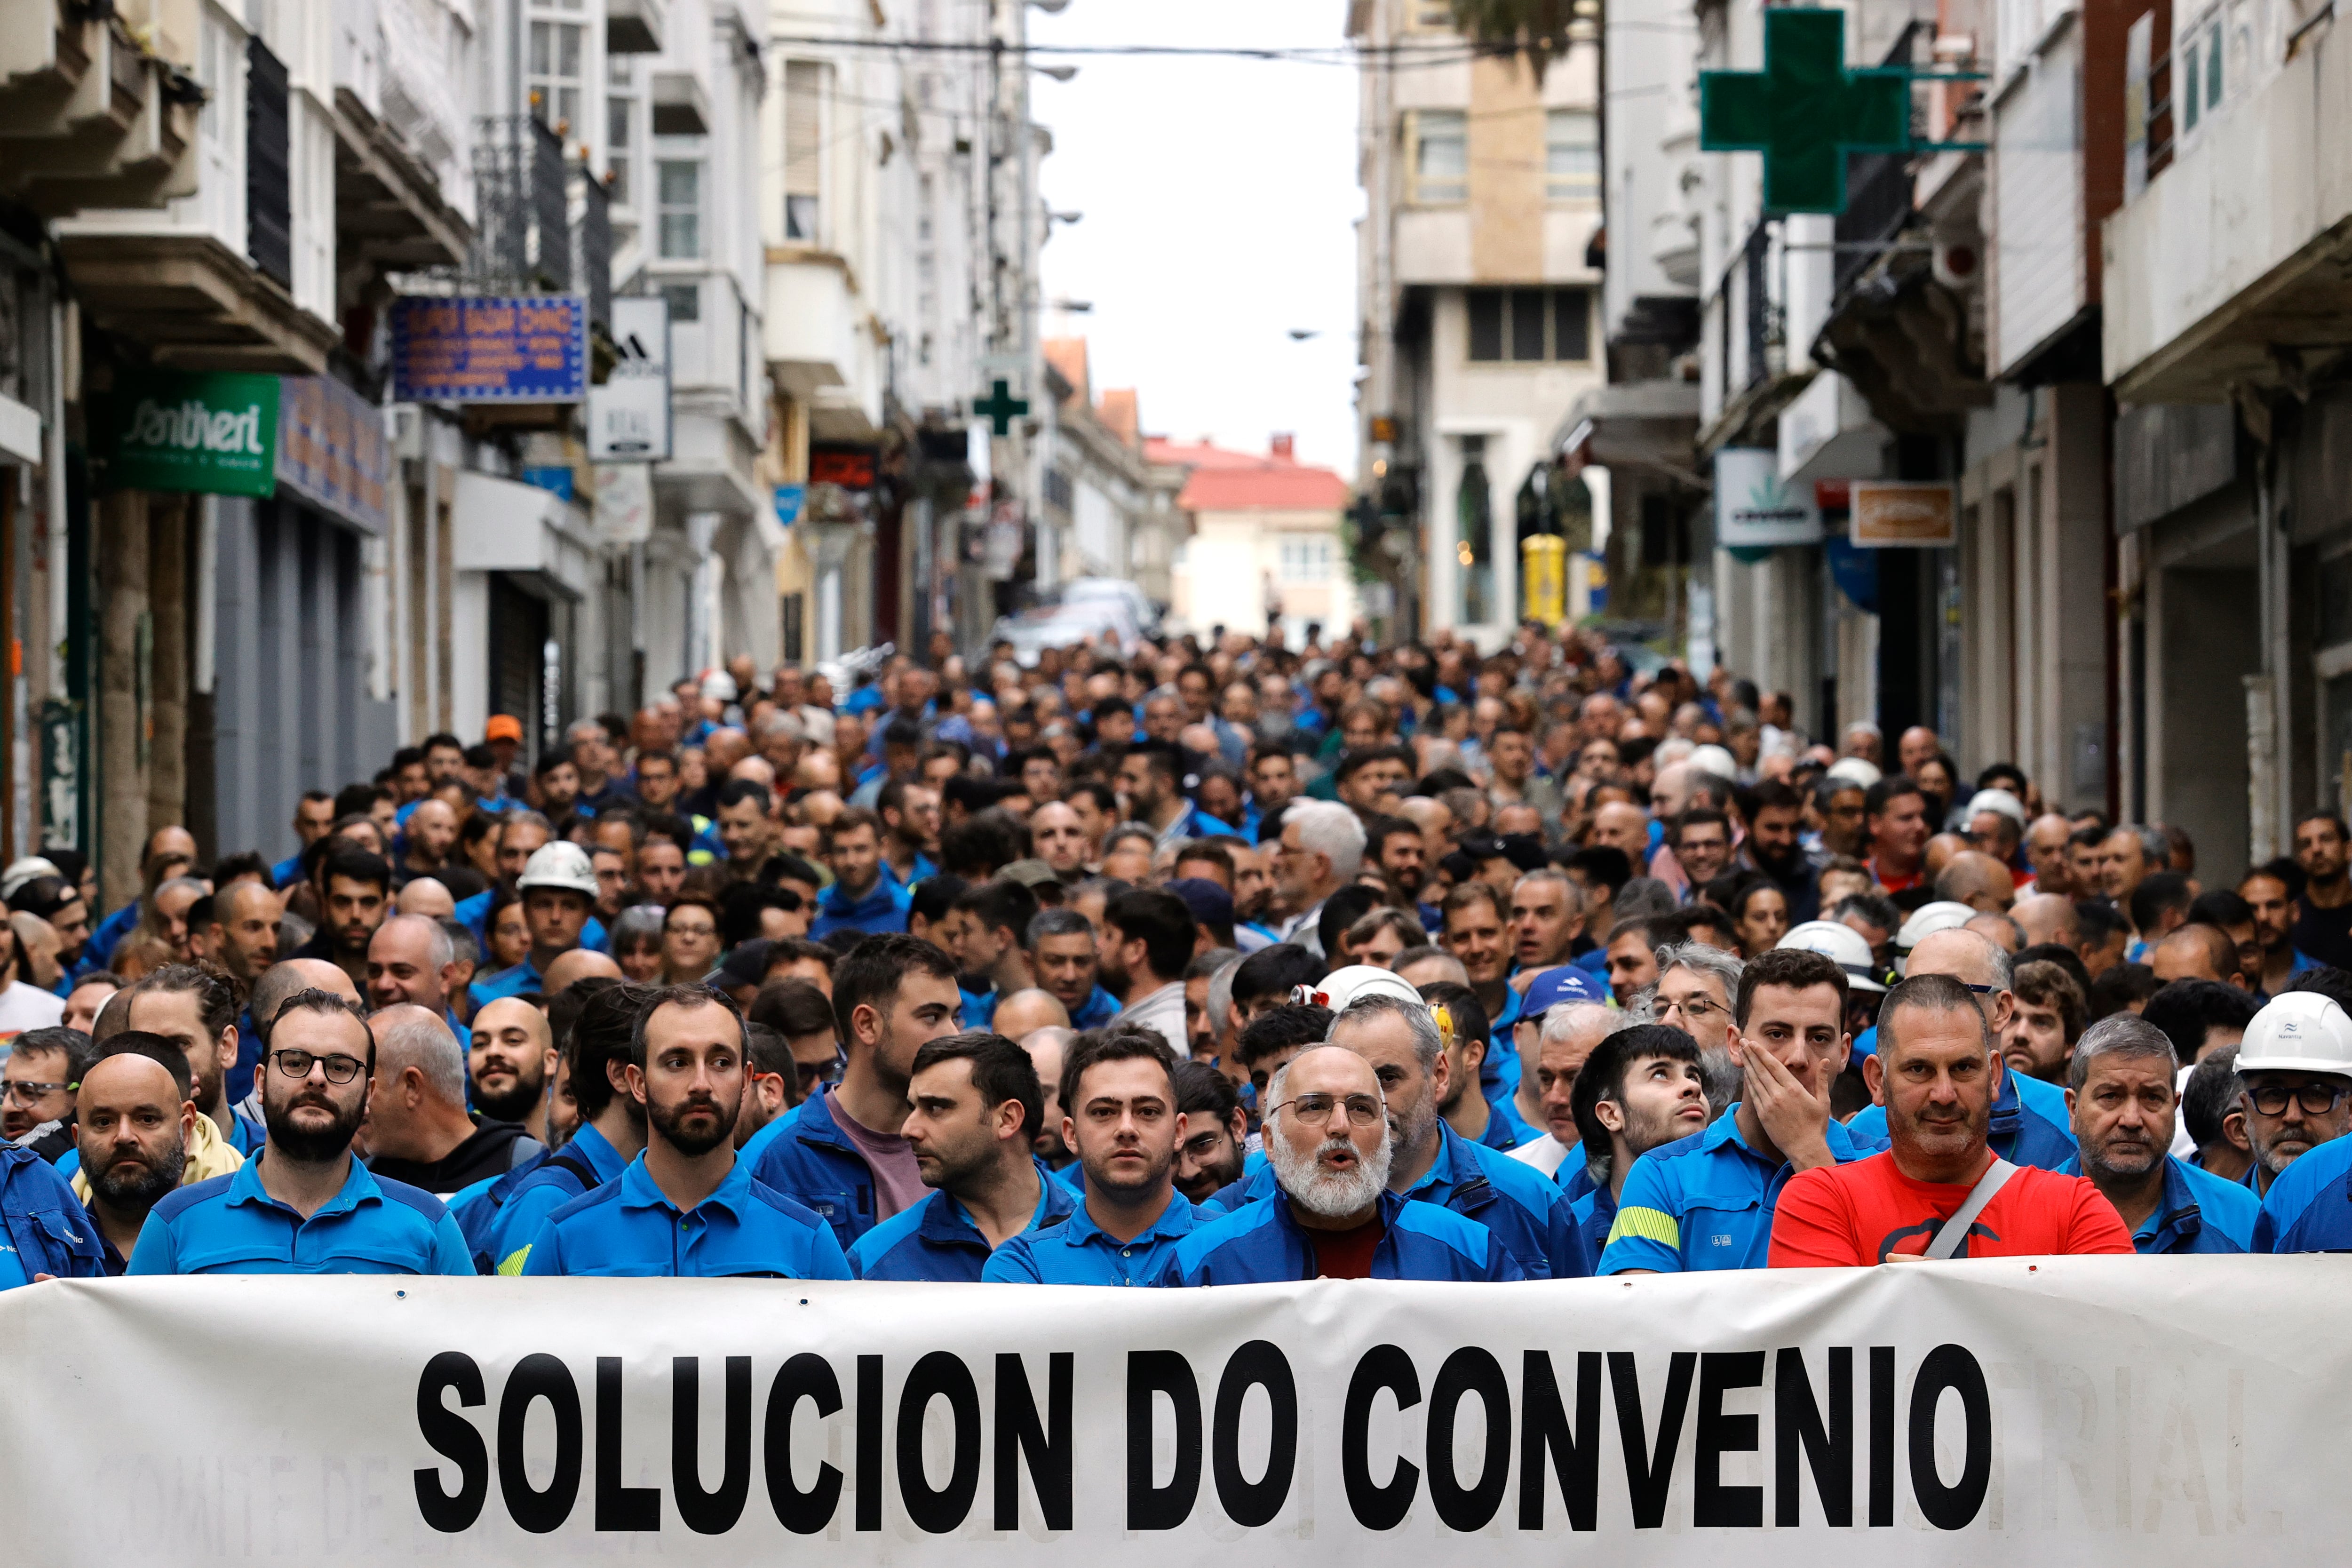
x=1219, y=199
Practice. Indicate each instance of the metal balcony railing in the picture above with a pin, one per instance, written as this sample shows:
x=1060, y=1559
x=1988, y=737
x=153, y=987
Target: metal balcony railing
x=522, y=240
x=592, y=247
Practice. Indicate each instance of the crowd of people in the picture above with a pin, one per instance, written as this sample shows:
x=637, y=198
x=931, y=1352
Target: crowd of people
x=1190, y=964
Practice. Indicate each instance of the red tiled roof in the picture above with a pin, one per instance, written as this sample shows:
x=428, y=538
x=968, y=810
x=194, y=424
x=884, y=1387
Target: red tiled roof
x=1222, y=480
x=1117, y=413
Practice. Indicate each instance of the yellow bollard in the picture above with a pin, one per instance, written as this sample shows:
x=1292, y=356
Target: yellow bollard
x=1543, y=578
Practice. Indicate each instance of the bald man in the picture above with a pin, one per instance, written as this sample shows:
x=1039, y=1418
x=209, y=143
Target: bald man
x=1046, y=1047
x=1023, y=1013
x=427, y=896
x=2046, y=917
x=2197, y=951
x=1622, y=825
x=576, y=966
x=1975, y=879
x=242, y=937
x=512, y=1055
x=133, y=1125
x=418, y=1129
x=411, y=960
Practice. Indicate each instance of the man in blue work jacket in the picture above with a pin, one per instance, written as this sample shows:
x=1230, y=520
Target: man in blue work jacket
x=2295, y=1064
x=973, y=1104
x=861, y=897
x=1706, y=1200
x=687, y=1207
x=500, y=1221
x=303, y=1204
x=2031, y=1123
x=2120, y=1087
x=1333, y=1214
x=843, y=1152
x=1119, y=1111
x=1388, y=1024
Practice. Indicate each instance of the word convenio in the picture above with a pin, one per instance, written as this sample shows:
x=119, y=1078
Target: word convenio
x=1823, y=1424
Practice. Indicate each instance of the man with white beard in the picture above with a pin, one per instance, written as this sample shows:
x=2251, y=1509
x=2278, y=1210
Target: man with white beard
x=1333, y=1215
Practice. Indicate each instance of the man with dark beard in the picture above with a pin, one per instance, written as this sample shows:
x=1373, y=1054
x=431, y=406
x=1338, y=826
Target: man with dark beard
x=1775, y=846
x=135, y=1122
x=418, y=1129
x=687, y=1207
x=303, y=1204
x=1217, y=1131
x=1334, y=1212
x=512, y=1053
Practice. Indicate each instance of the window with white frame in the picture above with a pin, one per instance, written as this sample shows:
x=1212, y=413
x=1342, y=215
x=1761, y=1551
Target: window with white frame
x=558, y=63
x=621, y=125
x=807, y=83
x=678, y=208
x=1571, y=155
x=2199, y=69
x=1439, y=147
x=1304, y=557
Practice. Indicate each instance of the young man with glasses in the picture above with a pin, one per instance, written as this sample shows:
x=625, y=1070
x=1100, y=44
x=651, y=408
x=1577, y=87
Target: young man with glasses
x=303, y=1204
x=1334, y=1213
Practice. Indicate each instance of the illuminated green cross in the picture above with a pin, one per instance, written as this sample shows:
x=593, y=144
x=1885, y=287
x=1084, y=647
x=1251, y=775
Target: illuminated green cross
x=1804, y=110
x=1000, y=408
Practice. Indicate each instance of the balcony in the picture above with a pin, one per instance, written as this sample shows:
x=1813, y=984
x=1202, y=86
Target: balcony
x=2230, y=266
x=404, y=191
x=88, y=118
x=522, y=236
x=636, y=26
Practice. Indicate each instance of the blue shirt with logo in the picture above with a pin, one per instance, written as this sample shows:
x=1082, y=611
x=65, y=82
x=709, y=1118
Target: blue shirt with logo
x=1705, y=1201
x=230, y=1225
x=629, y=1229
x=2198, y=1213
x=1263, y=1243
x=1077, y=1251
x=2030, y=1123
x=937, y=1242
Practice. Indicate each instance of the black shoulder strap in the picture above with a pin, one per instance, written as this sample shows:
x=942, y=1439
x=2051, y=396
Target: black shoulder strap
x=578, y=1167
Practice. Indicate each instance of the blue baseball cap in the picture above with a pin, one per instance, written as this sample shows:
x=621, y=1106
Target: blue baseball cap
x=1553, y=986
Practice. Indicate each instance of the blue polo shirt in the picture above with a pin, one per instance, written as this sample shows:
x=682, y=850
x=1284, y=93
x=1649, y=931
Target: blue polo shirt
x=629, y=1229
x=2030, y=1123
x=2197, y=1214
x=1263, y=1243
x=1593, y=1214
x=1524, y=1210
x=229, y=1224
x=937, y=1242
x=1078, y=1251
x=1705, y=1201
x=2309, y=1205
x=1100, y=1009
x=882, y=911
x=544, y=1188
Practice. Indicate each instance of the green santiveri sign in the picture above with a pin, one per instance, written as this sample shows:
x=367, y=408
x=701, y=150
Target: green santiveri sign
x=213, y=432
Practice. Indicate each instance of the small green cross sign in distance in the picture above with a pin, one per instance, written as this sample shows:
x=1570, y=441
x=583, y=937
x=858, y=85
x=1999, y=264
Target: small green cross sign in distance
x=1000, y=408
x=1804, y=110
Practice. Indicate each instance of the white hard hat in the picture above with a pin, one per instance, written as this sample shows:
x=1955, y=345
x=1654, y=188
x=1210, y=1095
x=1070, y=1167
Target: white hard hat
x=1854, y=771
x=1717, y=760
x=561, y=864
x=1943, y=914
x=1353, y=981
x=719, y=686
x=31, y=869
x=2000, y=801
x=1842, y=946
x=2299, y=1032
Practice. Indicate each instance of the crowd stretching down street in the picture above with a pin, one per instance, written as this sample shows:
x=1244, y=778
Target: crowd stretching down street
x=1179, y=963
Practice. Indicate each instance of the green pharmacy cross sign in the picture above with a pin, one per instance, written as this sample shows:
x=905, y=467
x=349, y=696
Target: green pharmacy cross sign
x=1000, y=408
x=1805, y=110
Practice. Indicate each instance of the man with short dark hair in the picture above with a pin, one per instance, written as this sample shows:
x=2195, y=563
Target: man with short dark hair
x=303, y=1205
x=1119, y=1112
x=987, y=947
x=1062, y=957
x=314, y=814
x=1148, y=940
x=746, y=830
x=610, y=1133
x=1775, y=846
x=1937, y=1074
x=843, y=1152
x=1333, y=1211
x=1217, y=1131
x=1894, y=834
x=1704, y=1201
x=909, y=814
x=974, y=1106
x=2048, y=1021
x=2121, y=1092
x=355, y=891
x=687, y=1207
x=37, y=1091
x=2323, y=924
x=861, y=899
x=1641, y=1087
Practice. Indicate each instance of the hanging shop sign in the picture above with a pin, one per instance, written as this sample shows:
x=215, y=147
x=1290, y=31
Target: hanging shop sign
x=1896, y=513
x=212, y=433
x=628, y=415
x=1755, y=508
x=525, y=349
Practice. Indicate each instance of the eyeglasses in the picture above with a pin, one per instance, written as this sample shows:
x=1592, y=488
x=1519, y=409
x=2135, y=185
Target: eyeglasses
x=815, y=1073
x=677, y=928
x=2316, y=1098
x=1362, y=1110
x=339, y=1068
x=24, y=1093
x=1692, y=1007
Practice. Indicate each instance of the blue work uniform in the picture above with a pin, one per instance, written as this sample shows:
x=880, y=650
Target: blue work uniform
x=1705, y=1201
x=1506, y=1127
x=1263, y=1243
x=284, y=874
x=2197, y=1214
x=1592, y=1215
x=230, y=1225
x=1527, y=1211
x=1499, y=1075
x=1100, y=1009
x=2309, y=1205
x=1078, y=1251
x=542, y=1190
x=523, y=977
x=629, y=1229
x=923, y=871
x=2030, y=1123
x=805, y=1155
x=881, y=911
x=110, y=935
x=979, y=1006
x=43, y=1228
x=936, y=1241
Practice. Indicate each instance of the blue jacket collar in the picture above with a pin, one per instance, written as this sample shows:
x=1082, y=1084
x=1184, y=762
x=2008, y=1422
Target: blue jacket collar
x=638, y=1189
x=947, y=1223
x=814, y=1124
x=359, y=1187
x=1176, y=1219
x=885, y=896
x=2178, y=1217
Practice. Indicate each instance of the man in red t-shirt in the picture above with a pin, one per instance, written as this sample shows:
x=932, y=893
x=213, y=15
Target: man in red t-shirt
x=1936, y=1073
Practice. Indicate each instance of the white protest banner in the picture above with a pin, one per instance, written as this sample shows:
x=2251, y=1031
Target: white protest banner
x=2150, y=1411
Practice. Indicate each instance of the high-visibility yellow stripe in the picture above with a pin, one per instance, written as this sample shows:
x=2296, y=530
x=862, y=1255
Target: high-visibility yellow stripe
x=510, y=1265
x=1646, y=1225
